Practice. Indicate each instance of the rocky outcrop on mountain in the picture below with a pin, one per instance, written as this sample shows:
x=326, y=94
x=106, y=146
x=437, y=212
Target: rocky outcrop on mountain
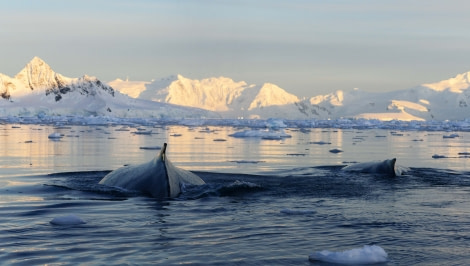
x=38, y=77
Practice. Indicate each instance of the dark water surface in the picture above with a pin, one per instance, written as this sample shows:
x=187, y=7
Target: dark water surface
x=266, y=202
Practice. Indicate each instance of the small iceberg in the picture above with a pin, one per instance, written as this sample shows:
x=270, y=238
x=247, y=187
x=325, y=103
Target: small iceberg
x=70, y=219
x=320, y=142
x=263, y=134
x=246, y=161
x=366, y=255
x=143, y=132
x=123, y=129
x=451, y=136
x=335, y=151
x=150, y=148
x=55, y=135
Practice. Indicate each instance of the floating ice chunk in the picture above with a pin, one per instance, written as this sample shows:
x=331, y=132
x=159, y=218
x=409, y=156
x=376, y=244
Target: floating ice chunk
x=124, y=128
x=55, y=135
x=70, y=219
x=451, y=136
x=246, y=161
x=143, y=132
x=335, y=151
x=275, y=123
x=320, y=142
x=150, y=148
x=464, y=154
x=366, y=255
x=264, y=134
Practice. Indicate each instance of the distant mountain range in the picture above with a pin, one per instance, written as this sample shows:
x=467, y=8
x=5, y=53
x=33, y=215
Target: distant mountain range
x=37, y=89
x=444, y=100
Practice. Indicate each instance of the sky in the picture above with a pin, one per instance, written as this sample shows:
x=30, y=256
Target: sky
x=307, y=47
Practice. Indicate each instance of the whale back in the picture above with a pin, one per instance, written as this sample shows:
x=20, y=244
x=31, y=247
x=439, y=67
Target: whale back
x=158, y=177
x=150, y=178
x=380, y=167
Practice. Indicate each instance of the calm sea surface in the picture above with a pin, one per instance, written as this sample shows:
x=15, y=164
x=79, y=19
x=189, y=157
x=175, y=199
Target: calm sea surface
x=266, y=202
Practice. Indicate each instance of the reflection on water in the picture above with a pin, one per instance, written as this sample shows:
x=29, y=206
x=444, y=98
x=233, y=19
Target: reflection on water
x=26, y=148
x=278, y=218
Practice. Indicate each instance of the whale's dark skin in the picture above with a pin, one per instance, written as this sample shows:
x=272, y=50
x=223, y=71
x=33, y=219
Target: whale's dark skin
x=386, y=167
x=158, y=177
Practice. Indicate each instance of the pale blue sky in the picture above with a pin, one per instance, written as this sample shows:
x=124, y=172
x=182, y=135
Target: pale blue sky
x=306, y=47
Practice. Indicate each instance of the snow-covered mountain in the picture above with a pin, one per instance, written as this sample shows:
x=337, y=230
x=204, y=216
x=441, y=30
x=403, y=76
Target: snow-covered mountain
x=223, y=95
x=443, y=100
x=37, y=90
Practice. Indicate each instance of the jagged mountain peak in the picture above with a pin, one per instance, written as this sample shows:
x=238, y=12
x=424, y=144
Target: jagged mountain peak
x=37, y=61
x=37, y=74
x=35, y=65
x=271, y=94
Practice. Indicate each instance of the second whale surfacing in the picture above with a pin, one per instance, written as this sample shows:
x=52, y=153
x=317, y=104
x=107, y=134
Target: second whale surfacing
x=386, y=167
x=158, y=177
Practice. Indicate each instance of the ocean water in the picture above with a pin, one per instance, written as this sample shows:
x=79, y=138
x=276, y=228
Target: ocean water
x=266, y=202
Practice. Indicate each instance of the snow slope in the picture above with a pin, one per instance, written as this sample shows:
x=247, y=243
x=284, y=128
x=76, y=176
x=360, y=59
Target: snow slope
x=443, y=100
x=130, y=88
x=38, y=90
x=223, y=95
x=215, y=94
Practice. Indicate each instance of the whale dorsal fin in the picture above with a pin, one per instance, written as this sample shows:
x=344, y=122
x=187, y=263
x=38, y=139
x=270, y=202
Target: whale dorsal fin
x=162, y=152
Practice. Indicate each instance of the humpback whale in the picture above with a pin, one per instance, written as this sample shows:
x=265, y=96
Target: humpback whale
x=158, y=177
x=378, y=167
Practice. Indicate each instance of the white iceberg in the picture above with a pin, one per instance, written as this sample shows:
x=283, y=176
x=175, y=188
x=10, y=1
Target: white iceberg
x=366, y=255
x=55, y=135
x=264, y=134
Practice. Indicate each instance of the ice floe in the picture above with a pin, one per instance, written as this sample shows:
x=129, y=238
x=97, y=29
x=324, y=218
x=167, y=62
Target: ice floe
x=396, y=127
x=335, y=150
x=365, y=255
x=451, y=136
x=264, y=134
x=55, y=135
